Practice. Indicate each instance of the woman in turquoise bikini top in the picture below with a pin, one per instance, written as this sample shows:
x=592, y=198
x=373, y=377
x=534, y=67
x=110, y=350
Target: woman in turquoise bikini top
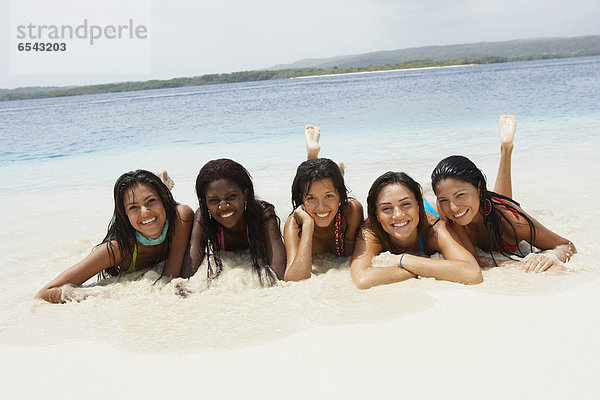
x=398, y=222
x=147, y=227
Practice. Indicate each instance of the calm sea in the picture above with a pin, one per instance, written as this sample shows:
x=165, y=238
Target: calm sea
x=422, y=114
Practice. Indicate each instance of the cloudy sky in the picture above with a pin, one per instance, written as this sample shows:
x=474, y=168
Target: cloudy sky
x=194, y=37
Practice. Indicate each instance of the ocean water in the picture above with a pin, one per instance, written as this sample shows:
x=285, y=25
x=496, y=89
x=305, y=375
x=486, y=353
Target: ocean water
x=60, y=157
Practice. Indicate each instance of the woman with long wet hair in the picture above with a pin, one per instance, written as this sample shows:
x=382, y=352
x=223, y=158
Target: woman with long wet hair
x=230, y=218
x=147, y=227
x=492, y=220
x=325, y=219
x=398, y=223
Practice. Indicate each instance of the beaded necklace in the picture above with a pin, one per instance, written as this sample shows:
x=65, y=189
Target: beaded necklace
x=339, y=235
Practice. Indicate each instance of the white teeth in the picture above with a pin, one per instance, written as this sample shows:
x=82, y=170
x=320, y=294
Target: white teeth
x=400, y=225
x=229, y=214
x=148, y=221
x=461, y=214
x=322, y=215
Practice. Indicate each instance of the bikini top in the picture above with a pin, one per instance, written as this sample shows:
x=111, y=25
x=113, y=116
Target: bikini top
x=510, y=247
x=146, y=241
x=221, y=238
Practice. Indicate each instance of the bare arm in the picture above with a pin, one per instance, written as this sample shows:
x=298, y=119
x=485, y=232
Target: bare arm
x=353, y=212
x=298, y=249
x=459, y=265
x=195, y=252
x=463, y=239
x=275, y=249
x=98, y=260
x=554, y=246
x=362, y=271
x=179, y=242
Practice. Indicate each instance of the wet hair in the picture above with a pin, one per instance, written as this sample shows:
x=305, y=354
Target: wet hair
x=314, y=170
x=394, y=178
x=257, y=214
x=120, y=229
x=463, y=169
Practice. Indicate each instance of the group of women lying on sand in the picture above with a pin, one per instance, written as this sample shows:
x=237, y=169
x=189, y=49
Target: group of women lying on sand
x=149, y=227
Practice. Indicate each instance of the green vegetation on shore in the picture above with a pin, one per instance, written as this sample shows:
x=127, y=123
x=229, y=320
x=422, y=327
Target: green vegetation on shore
x=251, y=76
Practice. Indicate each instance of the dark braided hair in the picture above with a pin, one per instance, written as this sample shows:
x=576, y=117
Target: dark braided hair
x=257, y=215
x=394, y=178
x=120, y=229
x=463, y=169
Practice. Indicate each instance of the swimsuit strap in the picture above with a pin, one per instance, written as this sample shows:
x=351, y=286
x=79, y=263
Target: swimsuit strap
x=429, y=208
x=339, y=235
x=133, y=258
x=221, y=238
x=505, y=204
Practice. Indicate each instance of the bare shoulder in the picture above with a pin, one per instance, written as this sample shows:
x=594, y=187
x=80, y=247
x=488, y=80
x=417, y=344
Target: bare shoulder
x=509, y=210
x=353, y=206
x=367, y=234
x=185, y=212
x=353, y=211
x=106, y=254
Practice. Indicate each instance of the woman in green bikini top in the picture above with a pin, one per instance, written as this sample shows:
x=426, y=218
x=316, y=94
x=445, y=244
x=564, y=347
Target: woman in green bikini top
x=147, y=227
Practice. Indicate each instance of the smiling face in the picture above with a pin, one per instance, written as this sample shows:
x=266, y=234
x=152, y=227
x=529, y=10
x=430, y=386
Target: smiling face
x=398, y=213
x=458, y=200
x=144, y=210
x=322, y=202
x=225, y=201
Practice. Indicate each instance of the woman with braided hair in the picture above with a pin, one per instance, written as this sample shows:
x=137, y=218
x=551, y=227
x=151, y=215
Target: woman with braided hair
x=230, y=218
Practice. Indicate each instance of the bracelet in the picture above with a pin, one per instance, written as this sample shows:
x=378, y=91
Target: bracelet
x=400, y=262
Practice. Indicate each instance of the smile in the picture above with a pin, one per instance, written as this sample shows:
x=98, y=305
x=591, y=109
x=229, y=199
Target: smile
x=400, y=224
x=323, y=216
x=461, y=214
x=229, y=214
x=148, y=221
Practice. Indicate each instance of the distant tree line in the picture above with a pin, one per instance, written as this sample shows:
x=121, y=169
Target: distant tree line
x=252, y=76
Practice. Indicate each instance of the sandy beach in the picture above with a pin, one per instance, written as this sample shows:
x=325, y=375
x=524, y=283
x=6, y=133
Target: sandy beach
x=468, y=344
x=515, y=336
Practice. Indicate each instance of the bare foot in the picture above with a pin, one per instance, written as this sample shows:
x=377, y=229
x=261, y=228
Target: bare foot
x=312, y=133
x=341, y=166
x=508, y=126
x=165, y=178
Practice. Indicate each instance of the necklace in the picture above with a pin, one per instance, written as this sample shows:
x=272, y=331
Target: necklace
x=146, y=241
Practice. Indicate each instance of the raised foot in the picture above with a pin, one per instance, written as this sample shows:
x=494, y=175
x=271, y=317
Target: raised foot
x=508, y=127
x=341, y=166
x=165, y=178
x=312, y=134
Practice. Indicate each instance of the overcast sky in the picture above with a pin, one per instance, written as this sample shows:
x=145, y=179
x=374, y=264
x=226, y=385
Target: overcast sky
x=194, y=37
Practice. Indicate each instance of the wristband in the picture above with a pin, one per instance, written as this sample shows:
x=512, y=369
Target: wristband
x=400, y=262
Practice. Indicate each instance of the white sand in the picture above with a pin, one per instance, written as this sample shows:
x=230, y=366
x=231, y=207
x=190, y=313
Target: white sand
x=469, y=344
x=515, y=336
